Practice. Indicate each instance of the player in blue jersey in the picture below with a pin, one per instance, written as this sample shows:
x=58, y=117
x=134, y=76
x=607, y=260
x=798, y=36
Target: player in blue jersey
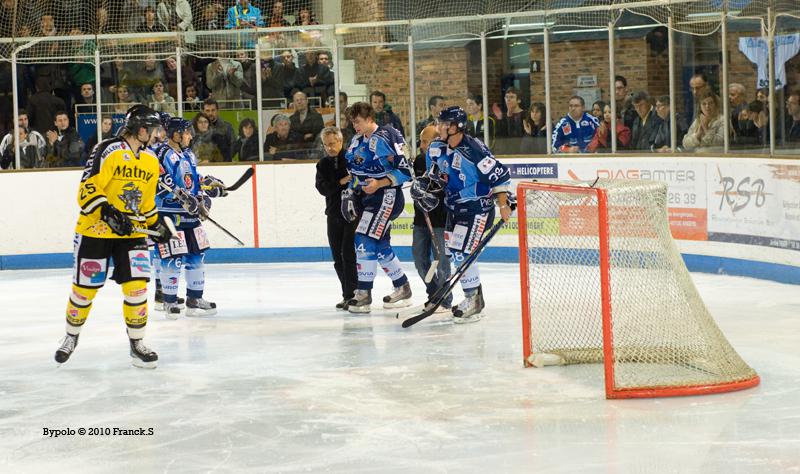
x=473, y=180
x=158, y=144
x=377, y=161
x=574, y=132
x=185, y=205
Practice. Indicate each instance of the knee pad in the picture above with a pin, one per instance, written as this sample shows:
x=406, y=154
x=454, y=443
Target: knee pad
x=366, y=247
x=78, y=306
x=134, y=308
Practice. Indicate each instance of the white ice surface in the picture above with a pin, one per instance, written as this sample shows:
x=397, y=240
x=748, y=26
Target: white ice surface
x=281, y=382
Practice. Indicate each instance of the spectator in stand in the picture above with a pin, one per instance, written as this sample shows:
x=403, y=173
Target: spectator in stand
x=423, y=244
x=222, y=130
x=509, y=125
x=243, y=16
x=435, y=105
x=140, y=79
x=317, y=79
x=55, y=72
x=81, y=72
x=708, y=129
x=204, y=142
x=324, y=59
x=283, y=142
x=646, y=123
x=86, y=103
x=246, y=146
x=106, y=127
x=575, y=131
x=623, y=101
x=33, y=136
x=792, y=135
x=762, y=95
x=210, y=19
x=101, y=24
x=43, y=105
x=160, y=101
x=534, y=139
x=171, y=74
x=698, y=84
x=248, y=88
x=347, y=129
x=475, y=120
x=286, y=74
x=597, y=110
x=271, y=85
x=306, y=121
x=753, y=130
x=149, y=23
x=601, y=142
x=276, y=18
x=123, y=100
x=661, y=142
x=190, y=99
x=166, y=14
x=305, y=17
x=383, y=112
x=224, y=78
x=64, y=145
x=737, y=105
x=28, y=154
x=331, y=179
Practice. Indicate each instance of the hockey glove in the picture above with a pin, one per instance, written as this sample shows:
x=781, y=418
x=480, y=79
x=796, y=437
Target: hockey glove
x=119, y=223
x=422, y=193
x=163, y=229
x=350, y=206
x=213, y=187
x=188, y=202
x=204, y=205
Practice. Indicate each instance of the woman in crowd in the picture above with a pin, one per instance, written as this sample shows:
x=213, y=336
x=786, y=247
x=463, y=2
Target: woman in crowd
x=598, y=110
x=601, y=143
x=246, y=146
x=106, y=125
x=204, y=145
x=534, y=124
x=708, y=129
x=160, y=101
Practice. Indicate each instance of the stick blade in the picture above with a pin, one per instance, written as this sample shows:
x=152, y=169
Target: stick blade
x=243, y=179
x=431, y=271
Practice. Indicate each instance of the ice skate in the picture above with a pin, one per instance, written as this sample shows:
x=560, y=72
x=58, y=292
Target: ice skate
x=142, y=356
x=342, y=305
x=159, y=304
x=172, y=310
x=441, y=309
x=68, y=345
x=469, y=310
x=200, y=307
x=400, y=297
x=361, y=301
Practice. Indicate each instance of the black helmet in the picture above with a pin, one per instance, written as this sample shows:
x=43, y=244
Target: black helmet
x=140, y=116
x=454, y=115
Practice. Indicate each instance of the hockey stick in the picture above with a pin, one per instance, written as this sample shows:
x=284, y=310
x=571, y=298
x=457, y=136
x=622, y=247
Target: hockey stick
x=208, y=218
x=239, y=182
x=447, y=287
x=435, y=264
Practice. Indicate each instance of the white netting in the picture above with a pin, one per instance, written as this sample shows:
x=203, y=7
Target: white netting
x=662, y=334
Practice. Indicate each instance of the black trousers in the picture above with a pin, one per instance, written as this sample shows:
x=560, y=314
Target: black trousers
x=341, y=236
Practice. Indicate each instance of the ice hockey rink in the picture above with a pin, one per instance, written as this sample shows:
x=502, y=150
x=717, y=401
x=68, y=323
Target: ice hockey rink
x=279, y=381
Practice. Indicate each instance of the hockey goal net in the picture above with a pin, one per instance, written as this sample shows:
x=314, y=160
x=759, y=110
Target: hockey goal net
x=603, y=282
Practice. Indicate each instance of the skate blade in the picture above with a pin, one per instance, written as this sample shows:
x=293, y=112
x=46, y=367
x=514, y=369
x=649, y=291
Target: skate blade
x=137, y=362
x=397, y=304
x=468, y=319
x=359, y=309
x=199, y=313
x=173, y=316
x=158, y=306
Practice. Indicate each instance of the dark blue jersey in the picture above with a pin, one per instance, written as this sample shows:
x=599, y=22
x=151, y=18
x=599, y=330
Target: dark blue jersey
x=382, y=155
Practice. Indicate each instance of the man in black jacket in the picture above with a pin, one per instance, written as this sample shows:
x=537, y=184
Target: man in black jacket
x=64, y=145
x=645, y=124
x=332, y=178
x=422, y=241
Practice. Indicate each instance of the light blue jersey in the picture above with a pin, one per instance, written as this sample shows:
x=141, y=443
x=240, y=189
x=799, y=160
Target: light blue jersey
x=179, y=170
x=381, y=155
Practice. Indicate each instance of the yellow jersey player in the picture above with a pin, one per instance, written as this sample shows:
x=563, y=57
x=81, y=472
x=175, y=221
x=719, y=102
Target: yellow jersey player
x=117, y=201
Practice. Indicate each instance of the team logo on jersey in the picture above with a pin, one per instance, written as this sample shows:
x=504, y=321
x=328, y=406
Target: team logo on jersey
x=358, y=159
x=486, y=164
x=373, y=144
x=92, y=272
x=131, y=197
x=139, y=263
x=187, y=181
x=567, y=129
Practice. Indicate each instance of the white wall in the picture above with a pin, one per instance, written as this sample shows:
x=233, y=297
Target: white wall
x=762, y=201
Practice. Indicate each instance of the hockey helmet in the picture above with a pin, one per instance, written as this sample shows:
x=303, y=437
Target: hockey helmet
x=454, y=115
x=140, y=116
x=165, y=117
x=177, y=125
